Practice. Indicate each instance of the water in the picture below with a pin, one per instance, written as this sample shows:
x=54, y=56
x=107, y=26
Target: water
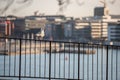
x=92, y=67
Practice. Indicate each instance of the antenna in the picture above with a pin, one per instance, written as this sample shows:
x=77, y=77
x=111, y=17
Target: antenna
x=106, y=10
x=104, y=3
x=35, y=13
x=60, y=4
x=63, y=5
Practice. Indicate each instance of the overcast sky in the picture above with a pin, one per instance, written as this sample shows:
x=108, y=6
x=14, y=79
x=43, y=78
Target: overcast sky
x=50, y=7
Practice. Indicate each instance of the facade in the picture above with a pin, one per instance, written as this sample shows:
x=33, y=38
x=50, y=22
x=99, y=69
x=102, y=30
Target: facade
x=49, y=31
x=114, y=32
x=54, y=31
x=19, y=27
x=68, y=29
x=34, y=24
x=6, y=28
x=101, y=11
x=49, y=25
x=82, y=31
x=99, y=30
x=90, y=30
x=58, y=28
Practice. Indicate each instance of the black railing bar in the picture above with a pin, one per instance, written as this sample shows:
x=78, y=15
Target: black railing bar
x=83, y=62
x=59, y=62
x=50, y=61
x=9, y=57
x=102, y=63
x=78, y=61
x=64, y=42
x=25, y=58
x=107, y=62
x=8, y=77
x=92, y=63
x=88, y=65
x=4, y=58
x=69, y=62
x=97, y=63
x=35, y=58
x=30, y=58
x=15, y=59
x=45, y=60
x=20, y=59
x=55, y=62
x=64, y=62
x=37, y=77
x=112, y=64
x=40, y=60
x=74, y=63
x=117, y=64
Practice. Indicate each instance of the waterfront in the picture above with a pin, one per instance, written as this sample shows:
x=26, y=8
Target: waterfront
x=92, y=67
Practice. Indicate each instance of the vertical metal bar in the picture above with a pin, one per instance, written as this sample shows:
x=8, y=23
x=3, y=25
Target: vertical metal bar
x=55, y=62
x=40, y=60
x=15, y=59
x=50, y=61
x=59, y=61
x=88, y=64
x=97, y=62
x=107, y=62
x=78, y=61
x=102, y=63
x=4, y=55
x=64, y=61
x=9, y=55
x=35, y=59
x=25, y=58
x=74, y=62
x=117, y=62
x=20, y=60
x=30, y=58
x=45, y=62
x=92, y=63
x=69, y=62
x=83, y=60
x=112, y=64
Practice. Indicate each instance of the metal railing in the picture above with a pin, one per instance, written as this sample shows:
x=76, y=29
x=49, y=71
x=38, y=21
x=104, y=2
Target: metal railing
x=29, y=59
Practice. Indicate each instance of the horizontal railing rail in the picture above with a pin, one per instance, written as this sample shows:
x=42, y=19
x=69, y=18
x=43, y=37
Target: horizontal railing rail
x=43, y=59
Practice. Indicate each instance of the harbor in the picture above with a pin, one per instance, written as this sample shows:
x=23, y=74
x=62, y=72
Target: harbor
x=40, y=48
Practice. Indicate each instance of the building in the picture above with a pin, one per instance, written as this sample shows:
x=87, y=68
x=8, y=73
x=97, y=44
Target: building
x=99, y=30
x=101, y=11
x=6, y=28
x=68, y=27
x=19, y=27
x=114, y=32
x=82, y=31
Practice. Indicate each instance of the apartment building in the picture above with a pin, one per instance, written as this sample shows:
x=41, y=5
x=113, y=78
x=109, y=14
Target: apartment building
x=82, y=31
x=114, y=32
x=99, y=30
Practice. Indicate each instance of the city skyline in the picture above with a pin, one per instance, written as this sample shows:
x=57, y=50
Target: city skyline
x=50, y=7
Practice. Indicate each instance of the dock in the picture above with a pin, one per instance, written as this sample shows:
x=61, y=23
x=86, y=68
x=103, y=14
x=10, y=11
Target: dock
x=72, y=51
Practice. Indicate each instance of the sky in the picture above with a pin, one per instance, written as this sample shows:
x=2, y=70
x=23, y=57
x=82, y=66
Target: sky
x=50, y=7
